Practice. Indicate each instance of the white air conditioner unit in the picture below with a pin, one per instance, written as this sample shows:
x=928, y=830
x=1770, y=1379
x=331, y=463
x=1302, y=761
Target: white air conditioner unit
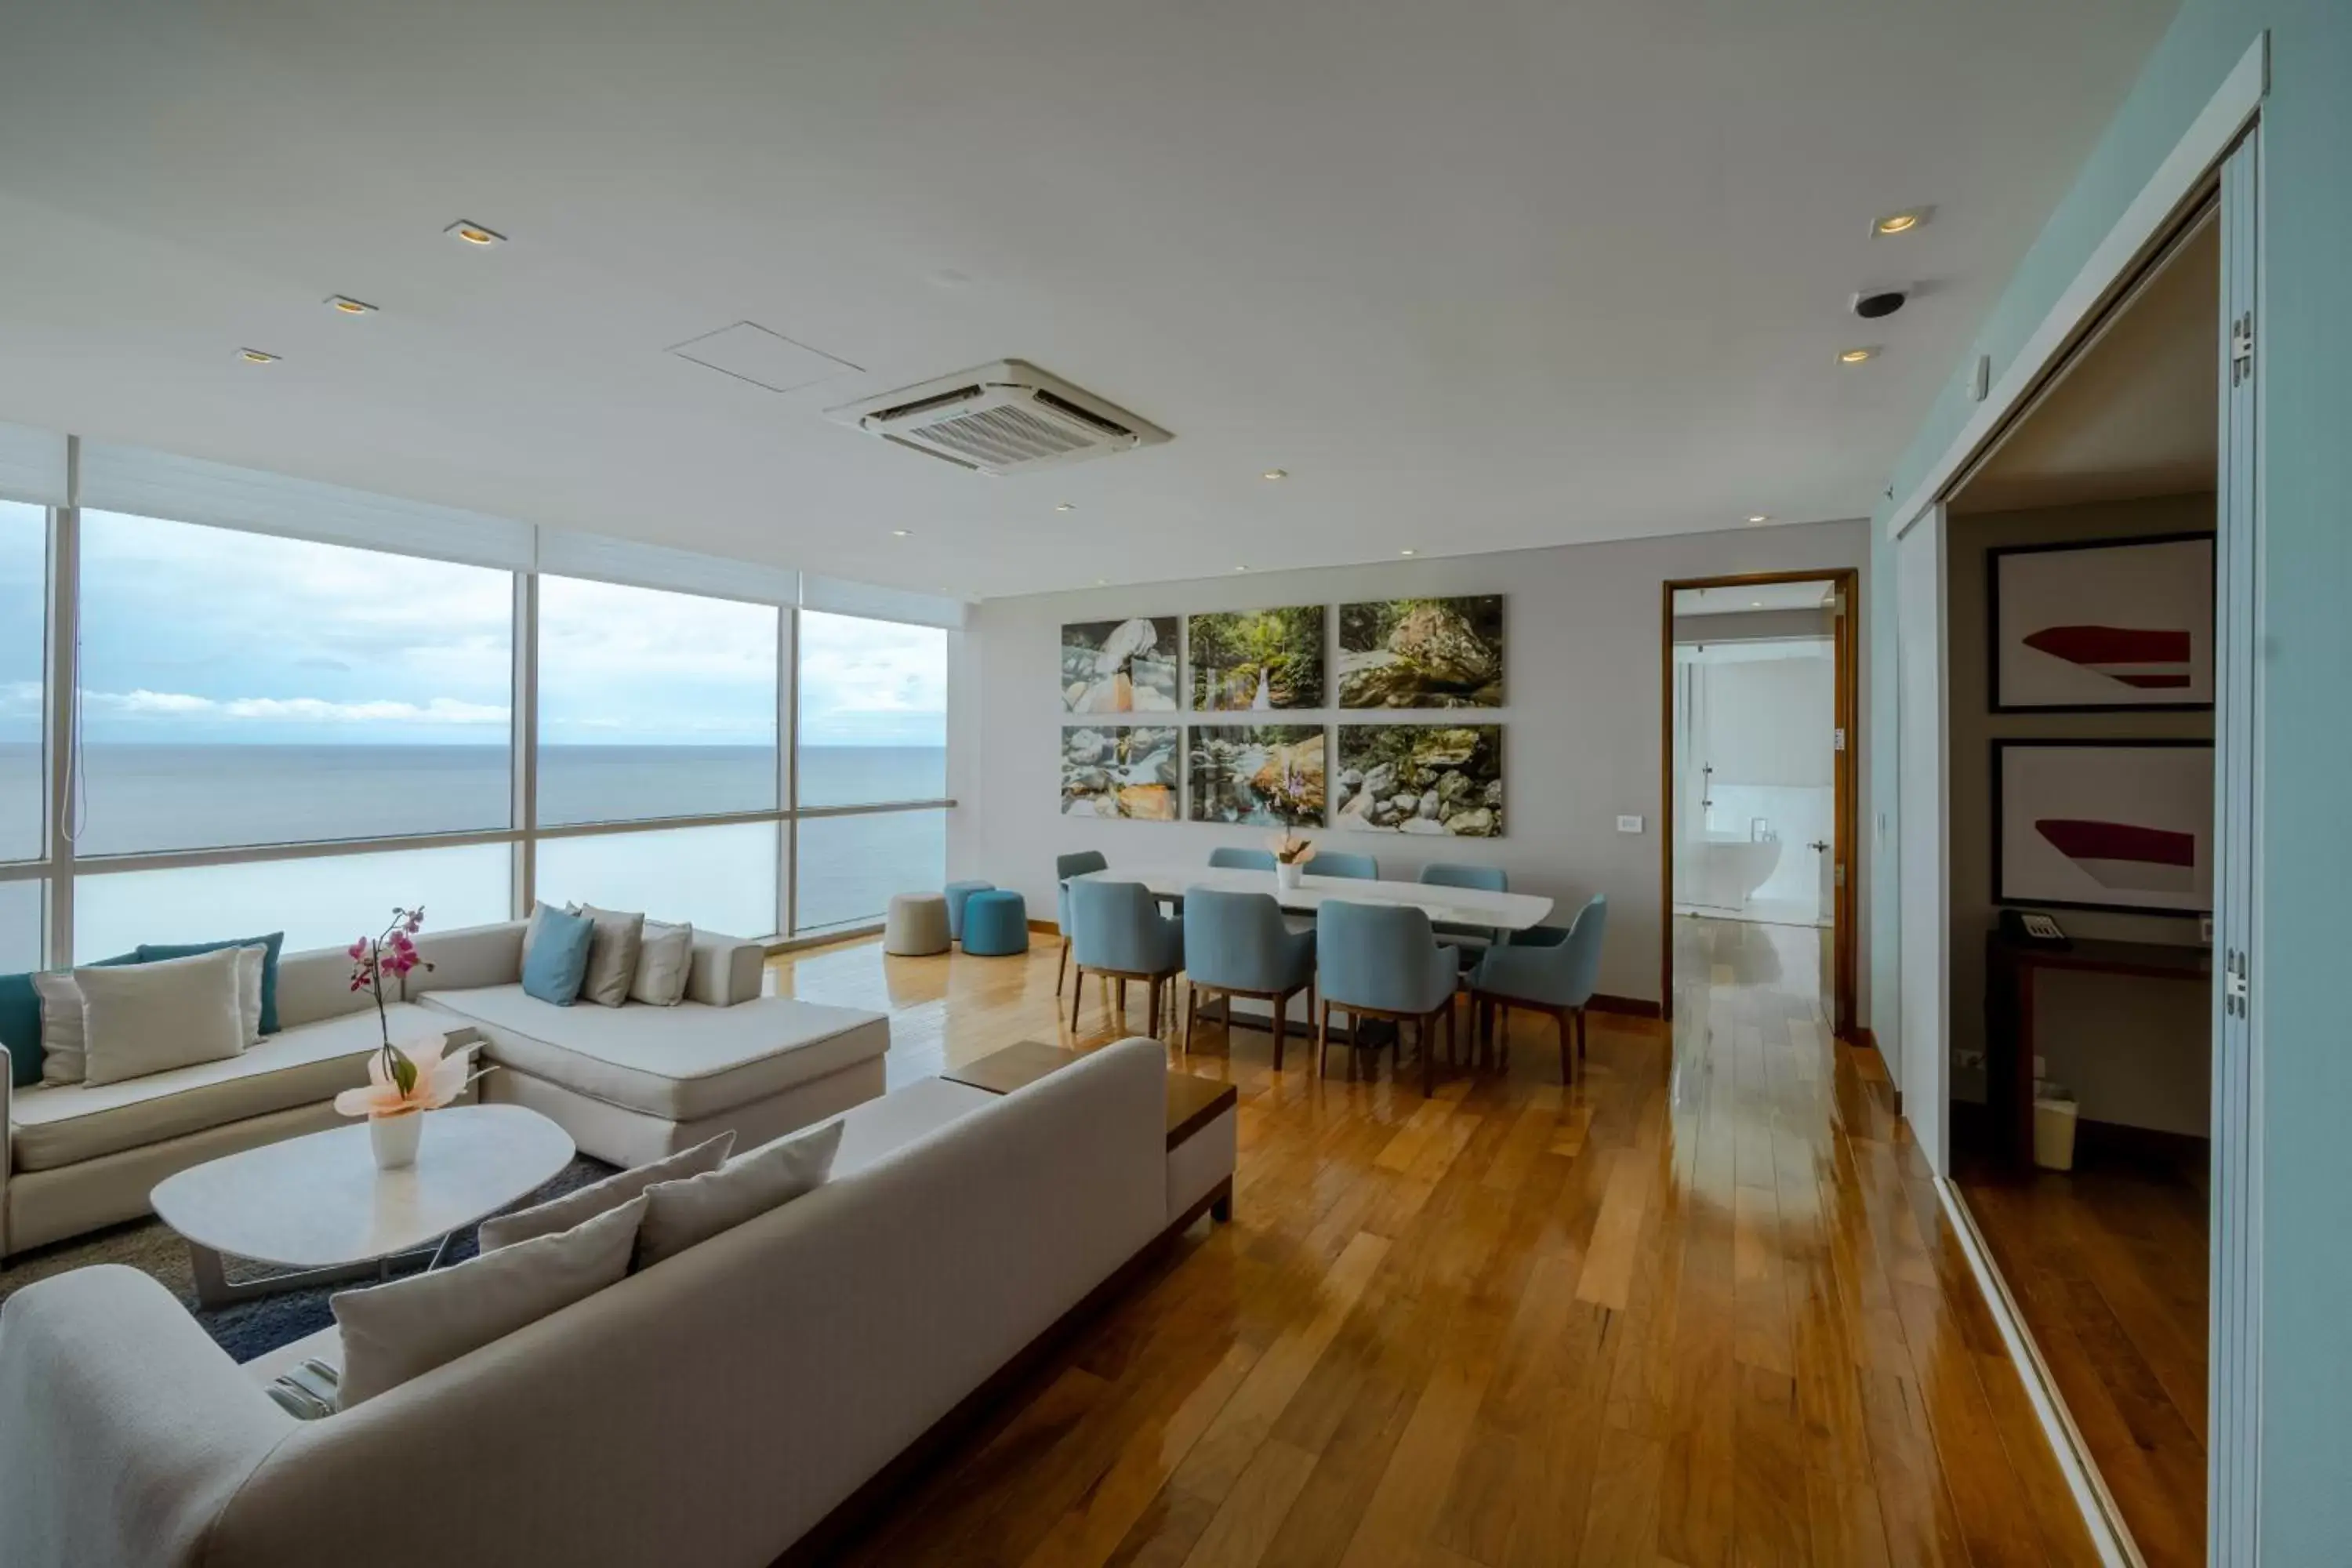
x=1003, y=418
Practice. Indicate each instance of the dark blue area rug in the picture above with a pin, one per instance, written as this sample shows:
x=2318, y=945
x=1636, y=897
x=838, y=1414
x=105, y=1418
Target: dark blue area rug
x=248, y=1329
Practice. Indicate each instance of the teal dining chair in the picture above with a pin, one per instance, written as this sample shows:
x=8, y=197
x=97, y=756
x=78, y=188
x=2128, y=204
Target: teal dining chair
x=1118, y=932
x=1550, y=969
x=1381, y=960
x=1484, y=878
x=1232, y=857
x=1340, y=863
x=1065, y=867
x=1237, y=945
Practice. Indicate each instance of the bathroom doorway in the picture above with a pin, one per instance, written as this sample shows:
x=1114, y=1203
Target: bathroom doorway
x=1759, y=792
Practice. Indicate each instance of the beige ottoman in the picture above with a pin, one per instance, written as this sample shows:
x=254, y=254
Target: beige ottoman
x=917, y=925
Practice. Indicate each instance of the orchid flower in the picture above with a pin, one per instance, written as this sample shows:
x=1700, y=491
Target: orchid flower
x=433, y=1081
x=394, y=954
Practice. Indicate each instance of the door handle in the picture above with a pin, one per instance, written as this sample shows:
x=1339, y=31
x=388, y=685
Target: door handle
x=1822, y=843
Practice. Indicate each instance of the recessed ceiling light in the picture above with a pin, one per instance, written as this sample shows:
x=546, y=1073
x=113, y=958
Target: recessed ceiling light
x=1903, y=222
x=1241, y=568
x=1759, y=516
x=256, y=356
x=1276, y=474
x=1064, y=506
x=1755, y=604
x=1855, y=356
x=474, y=233
x=348, y=306
x=1408, y=553
x=901, y=533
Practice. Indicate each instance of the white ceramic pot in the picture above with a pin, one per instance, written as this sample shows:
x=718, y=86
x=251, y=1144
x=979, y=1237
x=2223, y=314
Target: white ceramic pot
x=394, y=1139
x=1287, y=874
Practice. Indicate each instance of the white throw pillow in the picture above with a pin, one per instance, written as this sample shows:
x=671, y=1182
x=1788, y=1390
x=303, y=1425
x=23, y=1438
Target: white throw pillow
x=665, y=958
x=145, y=1018
x=248, y=992
x=61, y=1054
x=679, y=1214
x=402, y=1330
x=612, y=954
x=576, y=1207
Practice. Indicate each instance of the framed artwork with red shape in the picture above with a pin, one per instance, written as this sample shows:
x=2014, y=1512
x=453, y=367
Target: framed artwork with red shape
x=2101, y=624
x=2103, y=824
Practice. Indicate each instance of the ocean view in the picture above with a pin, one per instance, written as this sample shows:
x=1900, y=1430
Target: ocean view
x=139, y=798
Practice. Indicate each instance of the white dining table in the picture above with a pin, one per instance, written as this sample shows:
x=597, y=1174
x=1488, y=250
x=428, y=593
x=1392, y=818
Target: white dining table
x=1452, y=906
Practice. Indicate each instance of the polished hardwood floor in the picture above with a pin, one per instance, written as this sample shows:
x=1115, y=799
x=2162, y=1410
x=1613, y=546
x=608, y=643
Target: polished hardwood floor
x=1699, y=1308
x=2109, y=1266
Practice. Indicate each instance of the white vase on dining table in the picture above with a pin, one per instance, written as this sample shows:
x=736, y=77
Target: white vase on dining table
x=1287, y=874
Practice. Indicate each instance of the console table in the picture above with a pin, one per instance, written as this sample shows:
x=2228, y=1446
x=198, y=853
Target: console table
x=2010, y=971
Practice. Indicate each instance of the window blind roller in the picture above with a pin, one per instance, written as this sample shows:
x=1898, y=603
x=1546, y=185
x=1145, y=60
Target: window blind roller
x=191, y=489
x=32, y=466
x=838, y=597
x=564, y=554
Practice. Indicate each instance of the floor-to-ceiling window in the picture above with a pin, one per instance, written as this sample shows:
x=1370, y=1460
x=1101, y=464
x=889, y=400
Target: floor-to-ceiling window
x=270, y=731
x=24, y=575
x=872, y=732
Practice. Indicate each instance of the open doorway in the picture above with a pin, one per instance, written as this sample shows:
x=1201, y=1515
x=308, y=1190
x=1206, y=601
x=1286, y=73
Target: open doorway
x=2080, y=560
x=1756, y=817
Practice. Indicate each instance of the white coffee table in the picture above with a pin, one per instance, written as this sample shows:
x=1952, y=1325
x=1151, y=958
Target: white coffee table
x=317, y=1205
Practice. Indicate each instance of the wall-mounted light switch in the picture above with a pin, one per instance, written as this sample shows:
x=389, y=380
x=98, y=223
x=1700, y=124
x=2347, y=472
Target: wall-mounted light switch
x=1629, y=824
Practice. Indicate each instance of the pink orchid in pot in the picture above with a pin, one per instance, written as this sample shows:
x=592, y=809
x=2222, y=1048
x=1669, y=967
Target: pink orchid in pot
x=1291, y=854
x=404, y=1082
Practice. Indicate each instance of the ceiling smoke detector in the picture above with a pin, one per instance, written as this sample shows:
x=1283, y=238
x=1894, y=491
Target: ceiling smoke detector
x=1003, y=418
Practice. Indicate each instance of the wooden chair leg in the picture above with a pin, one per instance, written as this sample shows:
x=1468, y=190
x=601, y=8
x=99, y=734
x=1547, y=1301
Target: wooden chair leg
x=1192, y=1012
x=1281, y=1007
x=1322, y=1034
x=1077, y=996
x=1151, y=1005
x=1062, y=970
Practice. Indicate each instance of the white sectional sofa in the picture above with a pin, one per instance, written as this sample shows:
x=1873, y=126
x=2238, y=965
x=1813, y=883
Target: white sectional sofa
x=628, y=1083
x=714, y=1409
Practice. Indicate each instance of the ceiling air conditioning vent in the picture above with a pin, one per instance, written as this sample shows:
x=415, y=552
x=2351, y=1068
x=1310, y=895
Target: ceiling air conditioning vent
x=1003, y=418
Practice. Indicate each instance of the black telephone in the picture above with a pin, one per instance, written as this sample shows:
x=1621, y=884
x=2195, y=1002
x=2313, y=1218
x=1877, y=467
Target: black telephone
x=2027, y=928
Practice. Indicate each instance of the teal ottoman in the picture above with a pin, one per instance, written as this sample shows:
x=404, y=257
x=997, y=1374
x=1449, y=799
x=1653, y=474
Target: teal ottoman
x=995, y=924
x=957, y=892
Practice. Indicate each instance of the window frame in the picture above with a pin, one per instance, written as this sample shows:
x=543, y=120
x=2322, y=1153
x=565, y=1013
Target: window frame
x=60, y=866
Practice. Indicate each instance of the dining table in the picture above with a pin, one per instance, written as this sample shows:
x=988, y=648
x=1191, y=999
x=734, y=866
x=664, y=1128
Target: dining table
x=1444, y=905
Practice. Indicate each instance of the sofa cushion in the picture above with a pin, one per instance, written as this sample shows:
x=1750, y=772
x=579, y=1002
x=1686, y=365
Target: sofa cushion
x=148, y=1018
x=680, y=1063
x=612, y=954
x=64, y=1124
x=272, y=944
x=555, y=955
x=681, y=1213
x=584, y=1204
x=664, y=957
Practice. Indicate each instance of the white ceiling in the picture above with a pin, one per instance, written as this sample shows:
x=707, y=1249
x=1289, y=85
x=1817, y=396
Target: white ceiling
x=2138, y=411
x=1480, y=277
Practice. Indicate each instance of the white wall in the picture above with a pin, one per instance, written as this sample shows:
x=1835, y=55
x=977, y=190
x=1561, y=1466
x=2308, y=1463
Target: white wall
x=1582, y=727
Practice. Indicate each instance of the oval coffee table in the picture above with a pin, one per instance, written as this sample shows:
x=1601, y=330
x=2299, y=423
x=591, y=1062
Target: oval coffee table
x=317, y=1205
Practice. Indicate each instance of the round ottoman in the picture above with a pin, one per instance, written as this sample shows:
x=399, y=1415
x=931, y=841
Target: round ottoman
x=957, y=892
x=995, y=924
x=916, y=926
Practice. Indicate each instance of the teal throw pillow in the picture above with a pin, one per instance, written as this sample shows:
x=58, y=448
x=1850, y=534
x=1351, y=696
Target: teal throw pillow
x=557, y=962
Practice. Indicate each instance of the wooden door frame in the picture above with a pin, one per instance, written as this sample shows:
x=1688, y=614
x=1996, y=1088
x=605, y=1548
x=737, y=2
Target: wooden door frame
x=1845, y=642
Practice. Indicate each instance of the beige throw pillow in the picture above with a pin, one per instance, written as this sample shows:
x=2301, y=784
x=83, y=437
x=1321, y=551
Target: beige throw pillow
x=612, y=955
x=145, y=1018
x=576, y=1207
x=665, y=958
x=679, y=1214
x=402, y=1330
x=62, y=1059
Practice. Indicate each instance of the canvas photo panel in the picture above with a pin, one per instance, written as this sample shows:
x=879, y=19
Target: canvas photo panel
x=1265, y=774
x=1120, y=770
x=1119, y=666
x=1249, y=660
x=1440, y=780
x=1422, y=653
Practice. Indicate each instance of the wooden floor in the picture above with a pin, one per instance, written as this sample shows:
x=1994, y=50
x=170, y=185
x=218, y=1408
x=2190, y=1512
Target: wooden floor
x=1700, y=1309
x=2109, y=1266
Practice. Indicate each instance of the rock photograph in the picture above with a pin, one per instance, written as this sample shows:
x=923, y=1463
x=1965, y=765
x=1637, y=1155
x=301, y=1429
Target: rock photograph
x=1437, y=779
x=1257, y=659
x=1119, y=666
x=1120, y=770
x=1422, y=653
x=1270, y=774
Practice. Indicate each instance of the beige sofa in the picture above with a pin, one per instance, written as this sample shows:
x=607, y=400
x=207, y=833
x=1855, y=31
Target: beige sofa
x=626, y=1082
x=712, y=1410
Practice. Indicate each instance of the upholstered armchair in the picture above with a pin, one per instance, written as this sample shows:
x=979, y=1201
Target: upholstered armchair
x=1237, y=945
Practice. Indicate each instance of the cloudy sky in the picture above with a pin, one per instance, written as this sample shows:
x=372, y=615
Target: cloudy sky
x=197, y=635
